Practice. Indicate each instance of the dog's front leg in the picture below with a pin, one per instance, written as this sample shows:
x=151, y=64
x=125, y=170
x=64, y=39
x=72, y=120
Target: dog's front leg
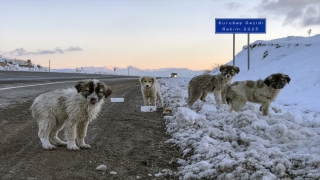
x=217, y=96
x=82, y=133
x=265, y=103
x=265, y=108
x=145, y=100
x=153, y=100
x=70, y=133
x=223, y=95
x=148, y=101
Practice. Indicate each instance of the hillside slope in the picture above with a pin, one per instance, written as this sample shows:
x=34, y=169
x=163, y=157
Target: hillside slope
x=298, y=57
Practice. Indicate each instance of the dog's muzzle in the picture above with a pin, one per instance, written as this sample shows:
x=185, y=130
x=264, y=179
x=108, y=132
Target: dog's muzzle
x=228, y=76
x=93, y=101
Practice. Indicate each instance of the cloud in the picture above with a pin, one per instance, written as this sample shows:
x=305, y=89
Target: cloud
x=233, y=6
x=58, y=50
x=73, y=48
x=23, y=52
x=20, y=52
x=305, y=12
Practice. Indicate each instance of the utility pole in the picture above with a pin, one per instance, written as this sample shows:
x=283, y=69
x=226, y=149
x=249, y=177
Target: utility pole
x=128, y=71
x=49, y=65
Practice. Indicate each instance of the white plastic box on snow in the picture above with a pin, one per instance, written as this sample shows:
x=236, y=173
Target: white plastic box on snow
x=117, y=99
x=148, y=108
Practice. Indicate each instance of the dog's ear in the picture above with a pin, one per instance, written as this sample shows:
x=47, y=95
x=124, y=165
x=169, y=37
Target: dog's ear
x=237, y=69
x=79, y=86
x=287, y=78
x=222, y=67
x=267, y=81
x=141, y=79
x=154, y=79
x=108, y=91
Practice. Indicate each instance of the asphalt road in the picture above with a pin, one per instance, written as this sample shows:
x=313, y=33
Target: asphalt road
x=19, y=86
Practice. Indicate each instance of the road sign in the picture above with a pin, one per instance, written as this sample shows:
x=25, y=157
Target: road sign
x=244, y=26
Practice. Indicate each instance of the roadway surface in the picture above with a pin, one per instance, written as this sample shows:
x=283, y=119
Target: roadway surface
x=129, y=142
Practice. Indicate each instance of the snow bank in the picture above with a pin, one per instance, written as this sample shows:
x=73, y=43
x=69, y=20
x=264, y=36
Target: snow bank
x=216, y=144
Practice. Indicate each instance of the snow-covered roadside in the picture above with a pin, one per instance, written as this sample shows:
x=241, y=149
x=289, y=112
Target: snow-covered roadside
x=216, y=144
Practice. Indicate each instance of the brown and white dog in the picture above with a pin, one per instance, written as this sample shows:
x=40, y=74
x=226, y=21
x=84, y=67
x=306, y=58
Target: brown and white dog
x=71, y=109
x=260, y=91
x=150, y=89
x=201, y=85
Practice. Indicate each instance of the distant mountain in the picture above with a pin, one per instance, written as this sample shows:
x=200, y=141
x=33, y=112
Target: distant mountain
x=21, y=65
x=134, y=71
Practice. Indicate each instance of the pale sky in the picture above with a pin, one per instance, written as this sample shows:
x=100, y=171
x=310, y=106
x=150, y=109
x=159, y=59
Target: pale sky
x=147, y=34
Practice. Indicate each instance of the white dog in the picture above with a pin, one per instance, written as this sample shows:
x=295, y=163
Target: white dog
x=71, y=108
x=150, y=89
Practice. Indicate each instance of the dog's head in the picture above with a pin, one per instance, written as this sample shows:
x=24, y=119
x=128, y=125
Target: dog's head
x=93, y=90
x=147, y=81
x=229, y=71
x=277, y=81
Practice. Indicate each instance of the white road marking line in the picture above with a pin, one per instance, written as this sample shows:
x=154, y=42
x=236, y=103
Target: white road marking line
x=33, y=85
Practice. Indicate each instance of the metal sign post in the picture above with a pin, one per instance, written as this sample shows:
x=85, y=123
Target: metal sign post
x=234, y=40
x=244, y=26
x=248, y=51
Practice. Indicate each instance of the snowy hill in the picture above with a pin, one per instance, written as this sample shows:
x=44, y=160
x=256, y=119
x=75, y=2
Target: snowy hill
x=215, y=144
x=298, y=57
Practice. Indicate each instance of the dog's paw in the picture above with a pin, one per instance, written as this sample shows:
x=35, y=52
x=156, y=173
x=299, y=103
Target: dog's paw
x=85, y=146
x=49, y=147
x=62, y=143
x=58, y=142
x=73, y=147
x=260, y=109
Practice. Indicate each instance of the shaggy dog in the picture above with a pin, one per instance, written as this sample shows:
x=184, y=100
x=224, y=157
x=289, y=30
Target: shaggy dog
x=71, y=108
x=261, y=91
x=150, y=89
x=201, y=85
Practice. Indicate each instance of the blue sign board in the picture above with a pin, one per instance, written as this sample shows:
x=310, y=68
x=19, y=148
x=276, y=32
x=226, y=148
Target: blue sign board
x=245, y=26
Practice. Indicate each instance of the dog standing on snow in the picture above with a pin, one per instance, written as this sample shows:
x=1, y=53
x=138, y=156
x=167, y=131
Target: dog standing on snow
x=201, y=85
x=71, y=109
x=150, y=89
x=261, y=91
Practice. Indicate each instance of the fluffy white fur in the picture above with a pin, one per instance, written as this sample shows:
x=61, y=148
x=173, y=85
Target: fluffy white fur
x=150, y=89
x=71, y=109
